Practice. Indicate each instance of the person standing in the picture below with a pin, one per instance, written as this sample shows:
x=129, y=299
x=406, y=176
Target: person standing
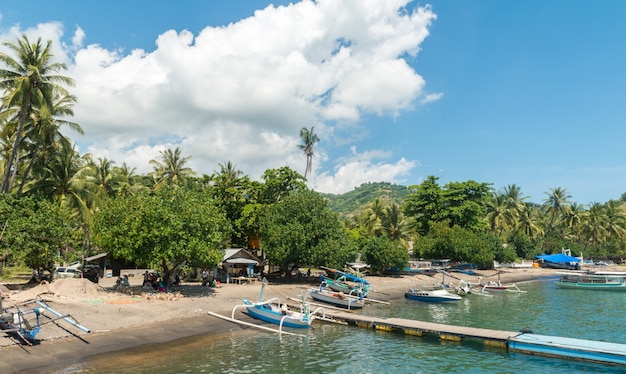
x=205, y=277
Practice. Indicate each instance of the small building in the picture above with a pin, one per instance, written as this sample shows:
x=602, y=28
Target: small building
x=238, y=262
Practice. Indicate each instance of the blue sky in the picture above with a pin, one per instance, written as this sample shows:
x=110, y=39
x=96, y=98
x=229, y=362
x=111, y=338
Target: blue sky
x=503, y=92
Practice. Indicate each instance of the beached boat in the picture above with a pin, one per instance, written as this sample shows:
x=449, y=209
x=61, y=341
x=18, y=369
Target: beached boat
x=338, y=299
x=347, y=283
x=601, y=280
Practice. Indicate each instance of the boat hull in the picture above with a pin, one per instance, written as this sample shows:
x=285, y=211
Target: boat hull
x=273, y=315
x=590, y=286
x=336, y=300
x=593, y=281
x=436, y=296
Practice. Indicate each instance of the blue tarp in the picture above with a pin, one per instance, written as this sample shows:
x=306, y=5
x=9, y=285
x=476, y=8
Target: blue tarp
x=558, y=258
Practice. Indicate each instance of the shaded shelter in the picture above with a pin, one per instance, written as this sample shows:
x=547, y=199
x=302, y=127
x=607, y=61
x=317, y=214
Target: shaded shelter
x=238, y=262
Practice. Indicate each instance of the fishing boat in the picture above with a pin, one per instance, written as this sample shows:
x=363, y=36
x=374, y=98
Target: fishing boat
x=275, y=312
x=23, y=321
x=347, y=283
x=601, y=280
x=435, y=294
x=338, y=299
x=498, y=286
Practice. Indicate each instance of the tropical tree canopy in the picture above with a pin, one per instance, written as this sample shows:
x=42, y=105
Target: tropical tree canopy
x=301, y=230
x=166, y=228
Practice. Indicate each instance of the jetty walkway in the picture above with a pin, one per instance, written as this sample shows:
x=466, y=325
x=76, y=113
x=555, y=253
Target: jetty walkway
x=495, y=338
x=515, y=341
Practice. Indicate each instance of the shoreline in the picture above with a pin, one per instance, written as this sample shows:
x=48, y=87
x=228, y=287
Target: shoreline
x=117, y=324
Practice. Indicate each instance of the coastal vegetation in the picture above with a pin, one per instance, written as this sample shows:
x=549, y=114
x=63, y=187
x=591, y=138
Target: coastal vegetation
x=57, y=205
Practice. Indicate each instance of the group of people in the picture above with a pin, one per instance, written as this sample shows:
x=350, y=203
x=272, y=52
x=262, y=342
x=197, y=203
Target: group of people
x=205, y=279
x=153, y=281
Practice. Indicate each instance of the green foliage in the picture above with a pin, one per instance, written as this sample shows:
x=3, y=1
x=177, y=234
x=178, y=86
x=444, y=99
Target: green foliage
x=354, y=202
x=166, y=228
x=381, y=253
x=302, y=230
x=280, y=183
x=459, y=244
x=458, y=203
x=34, y=231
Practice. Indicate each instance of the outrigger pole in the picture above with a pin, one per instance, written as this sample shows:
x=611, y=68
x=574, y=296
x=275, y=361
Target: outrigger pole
x=66, y=318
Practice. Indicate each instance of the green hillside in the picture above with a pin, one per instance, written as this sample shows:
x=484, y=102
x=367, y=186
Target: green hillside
x=354, y=201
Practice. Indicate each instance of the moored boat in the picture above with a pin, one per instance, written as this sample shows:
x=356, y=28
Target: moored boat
x=433, y=295
x=338, y=299
x=273, y=312
x=608, y=281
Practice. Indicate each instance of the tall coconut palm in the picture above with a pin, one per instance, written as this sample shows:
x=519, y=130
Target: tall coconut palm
x=29, y=80
x=394, y=225
x=528, y=222
x=229, y=174
x=42, y=135
x=309, y=138
x=594, y=229
x=615, y=220
x=126, y=180
x=556, y=204
x=498, y=213
x=171, y=169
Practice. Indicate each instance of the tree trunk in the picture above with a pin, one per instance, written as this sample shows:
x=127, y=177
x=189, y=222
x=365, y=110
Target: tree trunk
x=6, y=186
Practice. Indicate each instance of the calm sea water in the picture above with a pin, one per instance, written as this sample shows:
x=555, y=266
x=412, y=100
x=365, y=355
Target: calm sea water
x=545, y=309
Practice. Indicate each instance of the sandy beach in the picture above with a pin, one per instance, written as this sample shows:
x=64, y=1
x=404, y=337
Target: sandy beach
x=127, y=317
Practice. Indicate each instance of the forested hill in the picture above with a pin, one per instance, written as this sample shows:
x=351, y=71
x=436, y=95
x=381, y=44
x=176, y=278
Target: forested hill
x=355, y=200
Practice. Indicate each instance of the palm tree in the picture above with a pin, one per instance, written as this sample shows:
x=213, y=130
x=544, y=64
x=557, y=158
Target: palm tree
x=373, y=215
x=229, y=174
x=394, y=225
x=42, y=136
x=594, y=229
x=171, y=170
x=528, y=221
x=126, y=180
x=30, y=81
x=309, y=138
x=615, y=220
x=104, y=176
x=556, y=204
x=498, y=214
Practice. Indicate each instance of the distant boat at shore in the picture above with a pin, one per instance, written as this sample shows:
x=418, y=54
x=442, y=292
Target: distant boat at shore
x=601, y=280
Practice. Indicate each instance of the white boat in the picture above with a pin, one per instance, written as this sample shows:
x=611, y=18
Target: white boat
x=337, y=298
x=498, y=286
x=601, y=280
x=433, y=295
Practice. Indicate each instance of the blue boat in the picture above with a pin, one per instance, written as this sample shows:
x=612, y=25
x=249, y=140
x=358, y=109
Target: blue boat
x=273, y=311
x=569, y=348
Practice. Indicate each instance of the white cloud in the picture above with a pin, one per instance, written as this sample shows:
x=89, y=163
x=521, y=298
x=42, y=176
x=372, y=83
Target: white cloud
x=241, y=92
x=363, y=167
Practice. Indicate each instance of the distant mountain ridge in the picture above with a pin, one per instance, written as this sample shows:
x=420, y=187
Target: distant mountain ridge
x=353, y=202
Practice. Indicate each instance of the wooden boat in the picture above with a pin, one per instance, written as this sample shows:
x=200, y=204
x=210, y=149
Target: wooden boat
x=433, y=295
x=602, y=280
x=498, y=286
x=279, y=314
x=347, y=283
x=23, y=321
x=338, y=299
x=274, y=312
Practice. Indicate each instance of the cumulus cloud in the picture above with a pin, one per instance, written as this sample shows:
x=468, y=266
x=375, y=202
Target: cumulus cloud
x=241, y=92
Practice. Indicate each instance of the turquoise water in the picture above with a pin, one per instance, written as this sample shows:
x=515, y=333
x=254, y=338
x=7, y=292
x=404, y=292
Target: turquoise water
x=545, y=309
